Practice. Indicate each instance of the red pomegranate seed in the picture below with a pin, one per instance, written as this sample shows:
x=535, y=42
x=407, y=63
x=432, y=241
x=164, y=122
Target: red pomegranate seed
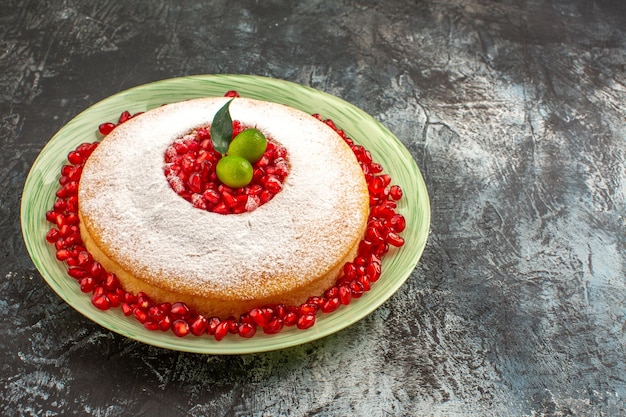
x=373, y=271
x=290, y=318
x=127, y=309
x=75, y=158
x=78, y=273
x=231, y=93
x=397, y=223
x=395, y=239
x=124, y=117
x=221, y=330
x=395, y=192
x=315, y=300
x=180, y=328
x=331, y=305
x=106, y=128
x=199, y=325
x=349, y=270
x=156, y=313
x=52, y=235
x=97, y=270
x=179, y=310
x=101, y=302
x=356, y=289
x=165, y=324
x=115, y=298
x=365, y=283
x=151, y=325
x=331, y=292
x=247, y=330
x=305, y=321
x=143, y=301
x=213, y=323
x=87, y=284
x=274, y=326
x=63, y=254
x=111, y=282
x=345, y=295
x=130, y=298
x=308, y=309
x=140, y=314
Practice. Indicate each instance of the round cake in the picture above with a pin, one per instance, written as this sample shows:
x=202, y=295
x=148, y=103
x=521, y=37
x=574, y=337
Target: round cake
x=284, y=251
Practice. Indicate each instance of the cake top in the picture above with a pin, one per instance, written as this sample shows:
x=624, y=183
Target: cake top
x=142, y=224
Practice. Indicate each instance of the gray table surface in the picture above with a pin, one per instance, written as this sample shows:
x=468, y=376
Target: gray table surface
x=515, y=112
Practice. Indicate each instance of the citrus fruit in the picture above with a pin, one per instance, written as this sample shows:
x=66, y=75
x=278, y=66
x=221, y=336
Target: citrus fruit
x=249, y=144
x=234, y=171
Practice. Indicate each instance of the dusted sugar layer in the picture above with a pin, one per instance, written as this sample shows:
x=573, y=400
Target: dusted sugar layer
x=282, y=252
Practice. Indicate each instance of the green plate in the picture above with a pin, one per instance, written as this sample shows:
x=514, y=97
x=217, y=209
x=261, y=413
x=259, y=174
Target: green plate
x=42, y=183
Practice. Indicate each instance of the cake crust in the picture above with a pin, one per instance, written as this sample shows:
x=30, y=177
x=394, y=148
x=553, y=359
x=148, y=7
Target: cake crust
x=292, y=247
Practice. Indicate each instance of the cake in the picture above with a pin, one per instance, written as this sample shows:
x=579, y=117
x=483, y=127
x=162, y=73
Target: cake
x=296, y=245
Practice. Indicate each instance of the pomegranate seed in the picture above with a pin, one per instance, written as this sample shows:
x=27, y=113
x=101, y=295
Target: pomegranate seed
x=156, y=313
x=305, y=321
x=52, y=235
x=211, y=196
x=62, y=254
x=212, y=326
x=247, y=330
x=331, y=305
x=165, y=324
x=373, y=271
x=130, y=298
x=316, y=301
x=111, y=282
x=395, y=192
x=221, y=330
x=78, y=273
x=274, y=326
x=345, y=295
x=96, y=270
x=199, y=325
x=261, y=316
x=124, y=117
x=179, y=310
x=114, y=298
x=101, y=302
x=127, y=309
x=143, y=301
x=331, y=292
x=349, y=270
x=365, y=283
x=290, y=319
x=151, y=325
x=140, y=314
x=87, y=284
x=356, y=289
x=75, y=158
x=106, y=128
x=397, y=223
x=308, y=309
x=395, y=239
x=180, y=328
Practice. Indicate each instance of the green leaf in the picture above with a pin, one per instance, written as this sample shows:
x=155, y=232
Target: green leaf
x=222, y=129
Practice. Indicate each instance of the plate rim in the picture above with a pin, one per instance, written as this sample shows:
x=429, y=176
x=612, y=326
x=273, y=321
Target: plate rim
x=233, y=345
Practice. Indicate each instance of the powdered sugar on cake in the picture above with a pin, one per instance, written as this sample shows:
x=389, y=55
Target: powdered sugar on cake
x=149, y=229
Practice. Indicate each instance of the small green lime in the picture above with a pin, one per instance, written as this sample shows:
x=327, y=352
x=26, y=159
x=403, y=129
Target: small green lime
x=249, y=144
x=234, y=171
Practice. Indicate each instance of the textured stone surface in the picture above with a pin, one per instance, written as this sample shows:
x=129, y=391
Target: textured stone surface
x=515, y=113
